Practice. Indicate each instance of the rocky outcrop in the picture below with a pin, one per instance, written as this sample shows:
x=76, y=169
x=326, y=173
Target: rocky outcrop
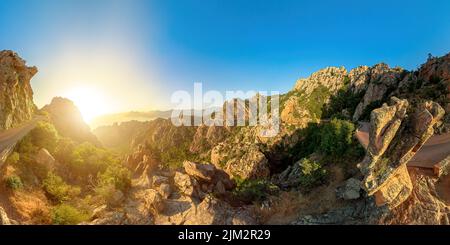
x=359, y=78
x=67, y=119
x=393, y=141
x=4, y=220
x=295, y=113
x=244, y=160
x=377, y=81
x=437, y=70
x=120, y=135
x=46, y=160
x=142, y=161
x=330, y=77
x=16, y=95
x=212, y=211
x=208, y=136
x=202, y=179
x=424, y=206
x=350, y=190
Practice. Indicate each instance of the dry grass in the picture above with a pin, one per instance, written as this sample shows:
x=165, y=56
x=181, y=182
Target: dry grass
x=288, y=206
x=32, y=207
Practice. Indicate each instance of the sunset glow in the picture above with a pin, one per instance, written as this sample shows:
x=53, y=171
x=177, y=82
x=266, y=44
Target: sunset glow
x=90, y=101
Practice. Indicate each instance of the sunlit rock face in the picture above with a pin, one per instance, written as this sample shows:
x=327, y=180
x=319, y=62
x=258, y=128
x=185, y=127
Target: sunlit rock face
x=68, y=120
x=16, y=95
x=376, y=81
x=394, y=138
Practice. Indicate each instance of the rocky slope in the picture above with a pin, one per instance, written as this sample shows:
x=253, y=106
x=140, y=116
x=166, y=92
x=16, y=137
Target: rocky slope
x=16, y=95
x=404, y=108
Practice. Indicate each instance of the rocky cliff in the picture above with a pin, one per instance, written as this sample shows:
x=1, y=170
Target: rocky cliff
x=68, y=120
x=16, y=95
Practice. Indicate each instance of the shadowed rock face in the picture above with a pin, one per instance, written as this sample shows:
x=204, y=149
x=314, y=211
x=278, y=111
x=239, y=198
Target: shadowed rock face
x=68, y=120
x=394, y=138
x=16, y=95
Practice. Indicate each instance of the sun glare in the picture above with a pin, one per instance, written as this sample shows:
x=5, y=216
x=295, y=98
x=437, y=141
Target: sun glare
x=89, y=101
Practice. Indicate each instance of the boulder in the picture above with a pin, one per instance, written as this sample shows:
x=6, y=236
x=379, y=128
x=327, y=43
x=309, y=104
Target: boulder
x=116, y=198
x=185, y=184
x=252, y=165
x=350, y=190
x=165, y=190
x=153, y=201
x=99, y=212
x=205, y=172
x=158, y=180
x=212, y=211
x=4, y=220
x=45, y=159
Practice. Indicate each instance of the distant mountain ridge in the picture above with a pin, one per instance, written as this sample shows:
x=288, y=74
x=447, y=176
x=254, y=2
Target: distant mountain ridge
x=110, y=119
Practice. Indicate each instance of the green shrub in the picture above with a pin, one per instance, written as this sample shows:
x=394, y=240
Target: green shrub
x=13, y=158
x=253, y=190
x=44, y=135
x=25, y=146
x=64, y=149
x=65, y=214
x=336, y=137
x=116, y=175
x=312, y=173
x=14, y=182
x=87, y=159
x=58, y=189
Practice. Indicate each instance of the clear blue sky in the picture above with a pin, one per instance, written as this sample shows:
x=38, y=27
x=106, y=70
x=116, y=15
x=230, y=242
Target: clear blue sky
x=152, y=48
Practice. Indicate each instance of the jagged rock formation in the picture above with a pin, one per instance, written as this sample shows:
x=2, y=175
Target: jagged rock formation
x=16, y=95
x=378, y=81
x=120, y=135
x=4, y=220
x=67, y=119
x=188, y=197
x=330, y=77
x=384, y=166
x=202, y=179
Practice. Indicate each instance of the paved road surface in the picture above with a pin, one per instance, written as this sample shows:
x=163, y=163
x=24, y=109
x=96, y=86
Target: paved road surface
x=8, y=138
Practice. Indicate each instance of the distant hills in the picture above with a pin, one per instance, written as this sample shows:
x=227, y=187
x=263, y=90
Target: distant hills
x=141, y=116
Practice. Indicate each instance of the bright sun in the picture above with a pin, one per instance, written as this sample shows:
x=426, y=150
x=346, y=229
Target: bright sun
x=89, y=101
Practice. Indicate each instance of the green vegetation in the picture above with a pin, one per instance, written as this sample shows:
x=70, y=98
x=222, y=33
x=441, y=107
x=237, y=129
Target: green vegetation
x=344, y=99
x=312, y=174
x=65, y=214
x=316, y=101
x=58, y=189
x=336, y=137
x=14, y=182
x=13, y=158
x=253, y=190
x=87, y=159
x=44, y=135
x=115, y=178
x=174, y=156
x=80, y=167
x=365, y=116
